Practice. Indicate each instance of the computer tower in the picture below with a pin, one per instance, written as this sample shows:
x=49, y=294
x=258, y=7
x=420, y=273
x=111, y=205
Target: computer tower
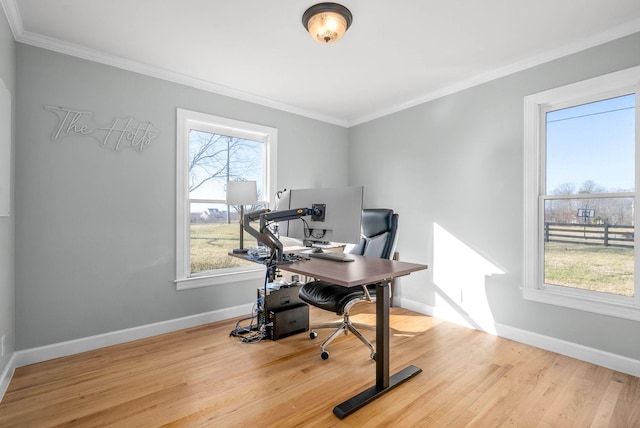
x=288, y=321
x=282, y=311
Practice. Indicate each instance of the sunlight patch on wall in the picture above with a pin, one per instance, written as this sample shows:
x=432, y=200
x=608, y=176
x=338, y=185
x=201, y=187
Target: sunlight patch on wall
x=459, y=274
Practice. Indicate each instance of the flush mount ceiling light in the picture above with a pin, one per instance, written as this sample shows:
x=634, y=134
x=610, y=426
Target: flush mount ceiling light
x=327, y=22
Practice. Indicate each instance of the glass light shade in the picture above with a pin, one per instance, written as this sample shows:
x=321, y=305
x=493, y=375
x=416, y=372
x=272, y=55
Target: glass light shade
x=327, y=27
x=327, y=22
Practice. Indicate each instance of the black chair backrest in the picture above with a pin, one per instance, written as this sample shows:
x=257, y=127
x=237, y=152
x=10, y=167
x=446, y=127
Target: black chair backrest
x=379, y=233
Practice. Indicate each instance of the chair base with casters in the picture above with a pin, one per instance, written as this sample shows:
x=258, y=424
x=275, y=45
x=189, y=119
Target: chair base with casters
x=378, y=239
x=341, y=300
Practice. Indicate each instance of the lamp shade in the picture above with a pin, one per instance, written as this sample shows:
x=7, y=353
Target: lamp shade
x=327, y=22
x=241, y=192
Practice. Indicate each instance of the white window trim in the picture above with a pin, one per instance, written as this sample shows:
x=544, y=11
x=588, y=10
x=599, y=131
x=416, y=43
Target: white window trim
x=186, y=120
x=534, y=107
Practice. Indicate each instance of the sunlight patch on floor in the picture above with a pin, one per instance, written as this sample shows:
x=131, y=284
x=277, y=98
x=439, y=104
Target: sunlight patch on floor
x=400, y=324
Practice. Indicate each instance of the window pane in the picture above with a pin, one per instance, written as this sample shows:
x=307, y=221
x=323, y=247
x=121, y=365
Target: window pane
x=589, y=244
x=215, y=159
x=214, y=231
x=590, y=147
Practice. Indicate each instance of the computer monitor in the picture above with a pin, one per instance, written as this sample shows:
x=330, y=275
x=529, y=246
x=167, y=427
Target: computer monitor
x=342, y=215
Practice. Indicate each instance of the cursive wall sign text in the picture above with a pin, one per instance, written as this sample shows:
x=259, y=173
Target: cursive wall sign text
x=122, y=132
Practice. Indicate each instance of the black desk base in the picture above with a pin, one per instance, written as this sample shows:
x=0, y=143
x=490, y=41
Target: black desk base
x=384, y=383
x=370, y=394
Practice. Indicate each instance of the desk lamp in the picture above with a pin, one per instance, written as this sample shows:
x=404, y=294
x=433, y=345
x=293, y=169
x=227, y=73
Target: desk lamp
x=241, y=193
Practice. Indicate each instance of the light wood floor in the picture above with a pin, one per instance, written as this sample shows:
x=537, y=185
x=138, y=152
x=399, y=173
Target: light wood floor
x=203, y=377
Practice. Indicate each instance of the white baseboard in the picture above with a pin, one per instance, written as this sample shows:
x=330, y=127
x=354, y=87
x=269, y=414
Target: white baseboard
x=71, y=347
x=584, y=353
x=7, y=374
x=63, y=349
x=580, y=352
x=56, y=350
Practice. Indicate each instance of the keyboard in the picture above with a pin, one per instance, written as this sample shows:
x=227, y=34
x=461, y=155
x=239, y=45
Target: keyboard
x=334, y=257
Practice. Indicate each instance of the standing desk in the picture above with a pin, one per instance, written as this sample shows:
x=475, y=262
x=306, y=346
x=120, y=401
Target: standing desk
x=363, y=271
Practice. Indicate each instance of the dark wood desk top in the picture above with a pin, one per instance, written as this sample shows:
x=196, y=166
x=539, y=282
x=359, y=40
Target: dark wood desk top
x=364, y=270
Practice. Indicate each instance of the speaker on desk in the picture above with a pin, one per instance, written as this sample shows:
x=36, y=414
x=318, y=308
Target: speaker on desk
x=288, y=321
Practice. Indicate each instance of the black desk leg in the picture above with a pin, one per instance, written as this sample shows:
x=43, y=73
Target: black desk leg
x=382, y=334
x=384, y=382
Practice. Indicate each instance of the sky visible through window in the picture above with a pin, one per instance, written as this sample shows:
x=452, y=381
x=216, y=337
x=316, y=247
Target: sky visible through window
x=215, y=159
x=592, y=142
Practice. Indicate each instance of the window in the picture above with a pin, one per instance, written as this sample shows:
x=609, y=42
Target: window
x=581, y=186
x=210, y=152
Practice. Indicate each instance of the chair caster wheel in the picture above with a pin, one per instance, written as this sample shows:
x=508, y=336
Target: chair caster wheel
x=313, y=335
x=325, y=355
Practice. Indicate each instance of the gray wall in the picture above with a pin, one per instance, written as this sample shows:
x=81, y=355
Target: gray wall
x=95, y=229
x=95, y=232
x=7, y=224
x=456, y=164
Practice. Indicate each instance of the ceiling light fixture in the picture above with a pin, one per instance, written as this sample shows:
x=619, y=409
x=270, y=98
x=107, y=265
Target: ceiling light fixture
x=327, y=22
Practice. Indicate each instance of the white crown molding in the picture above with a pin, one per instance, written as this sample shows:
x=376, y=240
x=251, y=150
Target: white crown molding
x=12, y=12
x=160, y=73
x=15, y=22
x=566, y=50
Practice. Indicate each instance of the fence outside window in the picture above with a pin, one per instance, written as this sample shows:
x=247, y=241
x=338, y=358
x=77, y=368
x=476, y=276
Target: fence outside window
x=591, y=234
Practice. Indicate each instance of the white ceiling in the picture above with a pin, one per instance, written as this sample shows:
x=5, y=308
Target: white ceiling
x=397, y=53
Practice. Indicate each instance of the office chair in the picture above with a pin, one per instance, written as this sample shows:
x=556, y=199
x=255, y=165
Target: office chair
x=379, y=235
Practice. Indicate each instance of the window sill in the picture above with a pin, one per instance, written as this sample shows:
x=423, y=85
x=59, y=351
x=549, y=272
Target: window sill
x=228, y=276
x=618, y=308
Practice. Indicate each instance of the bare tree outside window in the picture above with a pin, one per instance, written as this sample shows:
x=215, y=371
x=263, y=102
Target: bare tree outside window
x=211, y=151
x=221, y=158
x=214, y=160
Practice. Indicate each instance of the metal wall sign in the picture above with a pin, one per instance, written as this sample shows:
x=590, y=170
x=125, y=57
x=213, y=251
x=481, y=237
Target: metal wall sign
x=121, y=133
